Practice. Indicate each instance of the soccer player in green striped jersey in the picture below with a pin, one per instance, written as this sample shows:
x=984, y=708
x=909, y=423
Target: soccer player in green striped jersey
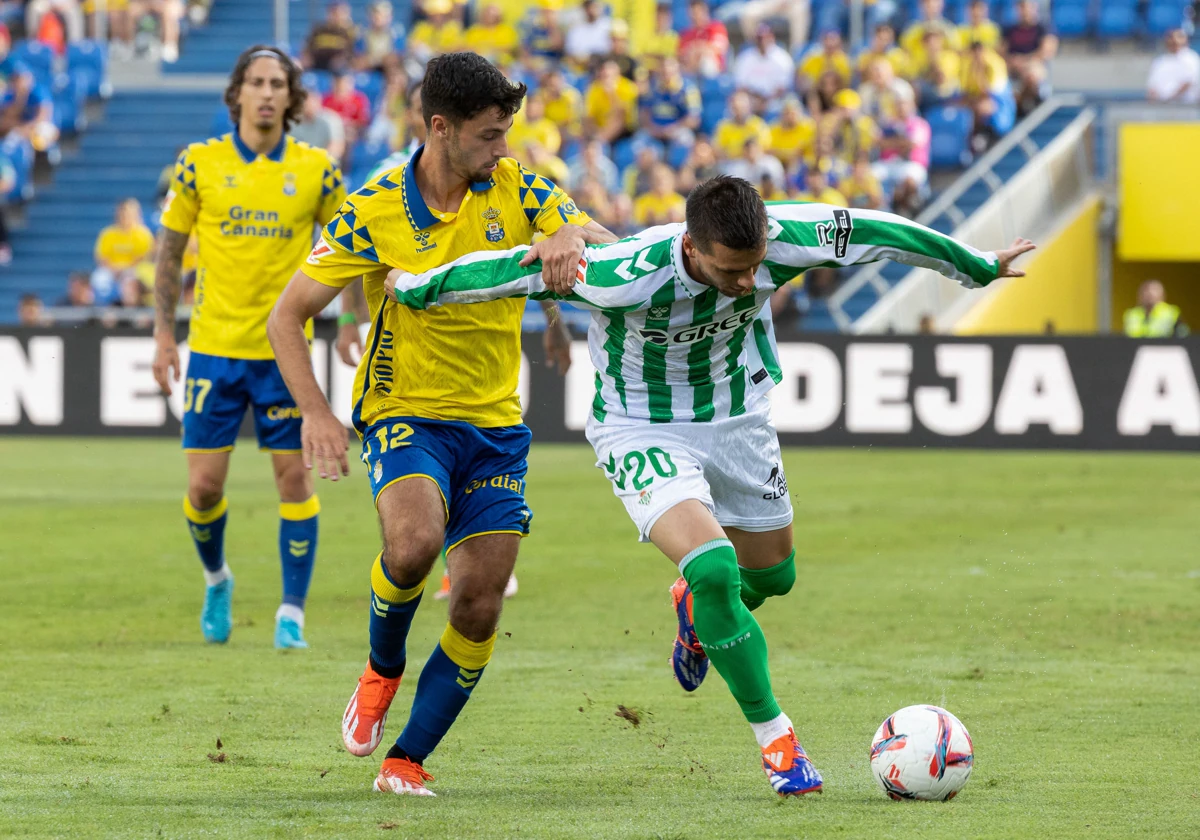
x=685, y=355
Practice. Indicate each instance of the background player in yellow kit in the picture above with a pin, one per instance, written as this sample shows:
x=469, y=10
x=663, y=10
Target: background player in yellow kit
x=437, y=403
x=252, y=197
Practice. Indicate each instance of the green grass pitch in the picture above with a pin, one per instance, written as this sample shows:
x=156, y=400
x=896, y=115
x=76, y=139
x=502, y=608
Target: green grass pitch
x=1052, y=601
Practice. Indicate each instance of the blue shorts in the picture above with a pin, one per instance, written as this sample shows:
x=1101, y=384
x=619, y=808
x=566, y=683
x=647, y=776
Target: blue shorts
x=480, y=472
x=218, y=390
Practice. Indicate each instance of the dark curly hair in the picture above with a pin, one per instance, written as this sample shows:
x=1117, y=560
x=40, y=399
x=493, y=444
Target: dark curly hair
x=296, y=92
x=727, y=210
x=462, y=85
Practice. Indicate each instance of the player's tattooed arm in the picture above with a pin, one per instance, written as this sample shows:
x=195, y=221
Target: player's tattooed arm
x=556, y=340
x=354, y=312
x=168, y=270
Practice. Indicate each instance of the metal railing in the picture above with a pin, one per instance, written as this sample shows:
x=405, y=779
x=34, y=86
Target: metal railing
x=982, y=171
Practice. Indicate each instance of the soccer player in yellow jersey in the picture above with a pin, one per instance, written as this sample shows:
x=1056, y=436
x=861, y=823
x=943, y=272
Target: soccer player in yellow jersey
x=437, y=405
x=253, y=198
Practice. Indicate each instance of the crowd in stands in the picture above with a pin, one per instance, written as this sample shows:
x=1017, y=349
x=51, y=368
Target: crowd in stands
x=630, y=119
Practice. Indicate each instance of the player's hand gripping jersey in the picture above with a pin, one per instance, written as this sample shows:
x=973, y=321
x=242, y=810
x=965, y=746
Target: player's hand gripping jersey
x=667, y=348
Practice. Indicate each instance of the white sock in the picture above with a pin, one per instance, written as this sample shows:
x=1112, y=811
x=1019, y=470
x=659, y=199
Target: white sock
x=213, y=578
x=290, y=611
x=766, y=733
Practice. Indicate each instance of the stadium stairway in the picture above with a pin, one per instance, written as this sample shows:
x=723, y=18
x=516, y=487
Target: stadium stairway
x=234, y=25
x=819, y=318
x=120, y=156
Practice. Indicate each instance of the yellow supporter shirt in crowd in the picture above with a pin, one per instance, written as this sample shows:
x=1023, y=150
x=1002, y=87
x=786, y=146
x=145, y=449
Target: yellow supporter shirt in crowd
x=440, y=39
x=492, y=42
x=599, y=104
x=653, y=209
x=859, y=134
x=828, y=196
x=253, y=216
x=453, y=362
x=543, y=132
x=792, y=144
x=816, y=64
x=989, y=76
x=913, y=40
x=986, y=33
x=730, y=137
x=564, y=110
x=896, y=57
x=861, y=192
x=121, y=249
x=951, y=68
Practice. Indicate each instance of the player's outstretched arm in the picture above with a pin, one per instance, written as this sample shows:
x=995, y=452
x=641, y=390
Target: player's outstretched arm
x=168, y=271
x=807, y=236
x=323, y=437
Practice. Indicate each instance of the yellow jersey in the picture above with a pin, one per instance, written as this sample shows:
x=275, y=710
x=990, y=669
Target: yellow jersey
x=492, y=42
x=544, y=132
x=253, y=216
x=986, y=33
x=895, y=56
x=599, y=104
x=122, y=249
x=818, y=63
x=827, y=196
x=651, y=209
x=440, y=39
x=453, y=362
x=793, y=144
x=563, y=110
x=730, y=137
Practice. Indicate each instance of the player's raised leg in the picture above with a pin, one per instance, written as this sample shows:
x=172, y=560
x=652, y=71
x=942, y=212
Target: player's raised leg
x=481, y=567
x=206, y=511
x=688, y=534
x=298, y=510
x=411, y=515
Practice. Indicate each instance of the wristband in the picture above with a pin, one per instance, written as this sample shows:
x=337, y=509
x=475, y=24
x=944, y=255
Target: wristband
x=347, y=319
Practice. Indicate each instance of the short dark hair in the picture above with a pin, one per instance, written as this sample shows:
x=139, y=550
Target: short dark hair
x=296, y=92
x=462, y=85
x=728, y=211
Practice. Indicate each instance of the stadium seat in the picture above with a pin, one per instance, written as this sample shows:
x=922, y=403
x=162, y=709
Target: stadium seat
x=1008, y=14
x=91, y=59
x=319, y=80
x=70, y=95
x=1164, y=15
x=221, y=122
x=38, y=58
x=371, y=85
x=1117, y=19
x=951, y=128
x=1071, y=18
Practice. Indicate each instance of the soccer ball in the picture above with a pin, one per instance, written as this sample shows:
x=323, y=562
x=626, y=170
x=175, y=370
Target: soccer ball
x=922, y=752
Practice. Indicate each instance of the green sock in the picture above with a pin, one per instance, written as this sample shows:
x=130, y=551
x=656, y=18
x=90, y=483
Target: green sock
x=727, y=631
x=760, y=584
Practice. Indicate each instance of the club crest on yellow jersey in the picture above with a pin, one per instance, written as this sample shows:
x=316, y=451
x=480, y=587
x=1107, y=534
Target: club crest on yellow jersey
x=494, y=224
x=289, y=183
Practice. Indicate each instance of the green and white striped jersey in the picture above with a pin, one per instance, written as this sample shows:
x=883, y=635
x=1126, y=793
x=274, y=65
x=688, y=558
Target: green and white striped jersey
x=667, y=348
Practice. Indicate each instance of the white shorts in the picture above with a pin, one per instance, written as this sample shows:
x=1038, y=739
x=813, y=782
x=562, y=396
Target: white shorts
x=732, y=466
